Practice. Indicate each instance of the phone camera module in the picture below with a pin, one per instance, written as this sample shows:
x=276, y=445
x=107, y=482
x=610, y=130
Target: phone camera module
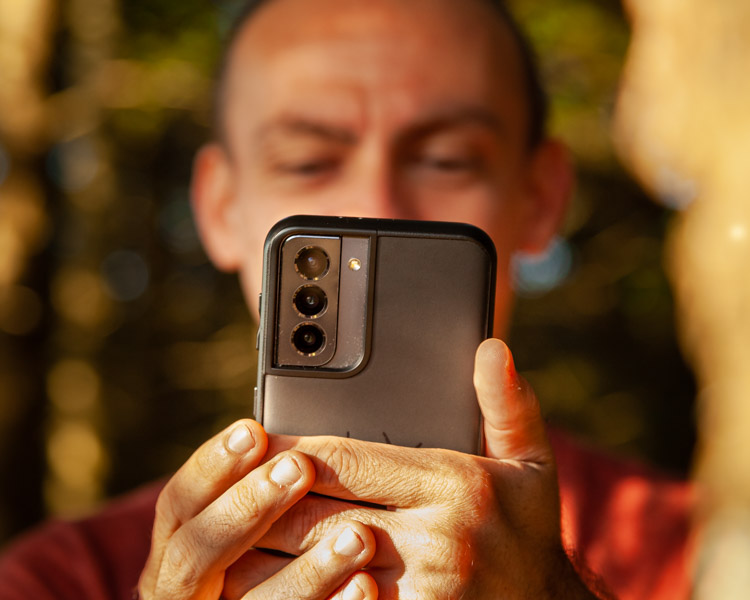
x=311, y=262
x=308, y=339
x=310, y=301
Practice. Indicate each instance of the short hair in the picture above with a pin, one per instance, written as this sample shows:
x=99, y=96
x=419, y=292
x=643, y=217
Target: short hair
x=536, y=96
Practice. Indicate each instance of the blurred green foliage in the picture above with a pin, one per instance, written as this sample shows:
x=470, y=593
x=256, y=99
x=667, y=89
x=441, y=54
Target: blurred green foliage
x=173, y=347
x=600, y=349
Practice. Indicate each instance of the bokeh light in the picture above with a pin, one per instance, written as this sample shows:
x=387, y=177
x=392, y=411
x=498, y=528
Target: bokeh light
x=73, y=164
x=78, y=295
x=76, y=465
x=537, y=274
x=738, y=232
x=24, y=225
x=73, y=387
x=20, y=309
x=126, y=275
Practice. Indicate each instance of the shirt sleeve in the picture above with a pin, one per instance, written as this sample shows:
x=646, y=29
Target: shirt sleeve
x=98, y=558
x=626, y=523
x=54, y=563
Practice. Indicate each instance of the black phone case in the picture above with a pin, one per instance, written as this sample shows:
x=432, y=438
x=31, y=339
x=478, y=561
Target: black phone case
x=430, y=305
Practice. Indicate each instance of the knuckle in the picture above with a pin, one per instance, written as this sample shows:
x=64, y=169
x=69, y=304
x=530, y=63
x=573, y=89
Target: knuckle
x=470, y=509
x=440, y=567
x=448, y=565
x=219, y=528
x=340, y=463
x=310, y=577
x=206, y=464
x=243, y=502
x=308, y=521
x=481, y=494
x=460, y=477
x=240, y=509
x=467, y=491
x=179, y=575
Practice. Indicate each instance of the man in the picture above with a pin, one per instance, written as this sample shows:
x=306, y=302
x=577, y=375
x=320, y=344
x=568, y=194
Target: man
x=378, y=108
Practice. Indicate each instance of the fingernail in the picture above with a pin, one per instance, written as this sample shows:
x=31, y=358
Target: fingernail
x=352, y=591
x=285, y=472
x=240, y=440
x=348, y=543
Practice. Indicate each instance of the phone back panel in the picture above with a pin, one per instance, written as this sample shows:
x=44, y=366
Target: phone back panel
x=431, y=307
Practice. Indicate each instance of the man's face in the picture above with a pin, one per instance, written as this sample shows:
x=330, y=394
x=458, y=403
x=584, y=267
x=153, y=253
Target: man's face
x=373, y=108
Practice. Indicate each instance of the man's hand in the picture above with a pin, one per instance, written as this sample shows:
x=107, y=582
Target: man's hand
x=458, y=526
x=220, y=503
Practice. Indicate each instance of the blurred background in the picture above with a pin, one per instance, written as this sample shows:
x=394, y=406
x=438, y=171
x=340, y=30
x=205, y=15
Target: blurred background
x=122, y=349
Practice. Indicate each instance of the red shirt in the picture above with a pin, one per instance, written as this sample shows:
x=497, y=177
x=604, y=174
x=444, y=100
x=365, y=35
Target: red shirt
x=628, y=525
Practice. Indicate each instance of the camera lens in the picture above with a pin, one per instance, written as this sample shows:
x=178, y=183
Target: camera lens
x=310, y=300
x=311, y=262
x=308, y=339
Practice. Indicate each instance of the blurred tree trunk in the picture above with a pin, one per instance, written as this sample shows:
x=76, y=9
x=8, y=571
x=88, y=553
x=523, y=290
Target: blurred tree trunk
x=683, y=124
x=26, y=33
x=55, y=180
x=77, y=455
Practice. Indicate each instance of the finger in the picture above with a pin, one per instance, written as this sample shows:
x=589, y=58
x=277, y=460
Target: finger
x=211, y=470
x=256, y=566
x=513, y=425
x=401, y=538
x=361, y=586
x=322, y=570
x=315, y=518
x=199, y=552
x=351, y=469
x=252, y=569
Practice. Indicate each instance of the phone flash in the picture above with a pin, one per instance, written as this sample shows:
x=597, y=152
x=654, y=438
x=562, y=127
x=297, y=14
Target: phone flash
x=355, y=264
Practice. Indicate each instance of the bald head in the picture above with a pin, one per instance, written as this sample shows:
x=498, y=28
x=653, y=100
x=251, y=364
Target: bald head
x=529, y=84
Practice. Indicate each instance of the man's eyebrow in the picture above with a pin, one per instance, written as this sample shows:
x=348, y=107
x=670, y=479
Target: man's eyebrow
x=295, y=125
x=459, y=117
x=306, y=127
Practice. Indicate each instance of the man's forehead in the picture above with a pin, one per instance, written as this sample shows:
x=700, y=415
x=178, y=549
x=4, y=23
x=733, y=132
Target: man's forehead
x=289, y=17
x=278, y=25
x=434, y=51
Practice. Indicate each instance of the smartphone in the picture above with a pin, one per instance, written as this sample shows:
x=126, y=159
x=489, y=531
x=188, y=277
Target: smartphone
x=368, y=329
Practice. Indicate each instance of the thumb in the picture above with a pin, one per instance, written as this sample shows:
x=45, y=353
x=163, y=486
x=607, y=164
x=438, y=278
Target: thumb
x=513, y=426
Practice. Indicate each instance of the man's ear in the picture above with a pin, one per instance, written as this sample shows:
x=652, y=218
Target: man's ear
x=215, y=206
x=549, y=188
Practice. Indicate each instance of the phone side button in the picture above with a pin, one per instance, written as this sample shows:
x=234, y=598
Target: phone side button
x=260, y=310
x=255, y=402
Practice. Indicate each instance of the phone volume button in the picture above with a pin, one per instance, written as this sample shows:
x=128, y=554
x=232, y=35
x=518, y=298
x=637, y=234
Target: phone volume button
x=260, y=310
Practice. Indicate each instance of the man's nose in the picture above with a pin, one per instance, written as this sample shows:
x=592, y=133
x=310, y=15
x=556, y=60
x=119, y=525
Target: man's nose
x=380, y=205
x=374, y=192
